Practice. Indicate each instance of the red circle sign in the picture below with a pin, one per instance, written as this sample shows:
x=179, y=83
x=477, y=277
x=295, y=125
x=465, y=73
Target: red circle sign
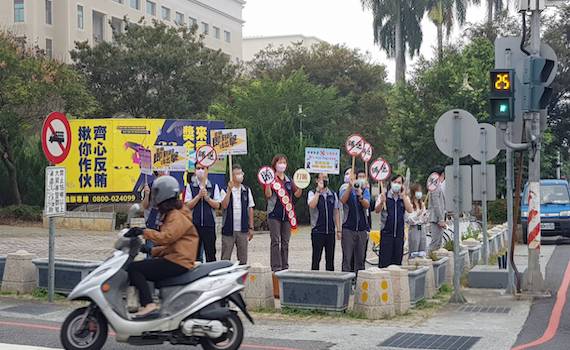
x=366, y=154
x=56, y=137
x=266, y=176
x=380, y=170
x=206, y=156
x=355, y=145
x=433, y=182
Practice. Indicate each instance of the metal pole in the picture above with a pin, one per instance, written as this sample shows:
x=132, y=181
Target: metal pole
x=558, y=165
x=457, y=296
x=483, y=141
x=300, y=126
x=534, y=281
x=511, y=289
x=51, y=259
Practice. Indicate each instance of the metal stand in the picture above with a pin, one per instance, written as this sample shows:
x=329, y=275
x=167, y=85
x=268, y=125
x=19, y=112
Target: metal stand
x=483, y=144
x=51, y=259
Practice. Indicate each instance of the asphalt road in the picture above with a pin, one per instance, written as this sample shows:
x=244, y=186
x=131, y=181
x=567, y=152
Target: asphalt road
x=536, y=327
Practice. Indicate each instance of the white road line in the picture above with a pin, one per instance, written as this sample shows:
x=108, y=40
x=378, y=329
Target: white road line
x=22, y=347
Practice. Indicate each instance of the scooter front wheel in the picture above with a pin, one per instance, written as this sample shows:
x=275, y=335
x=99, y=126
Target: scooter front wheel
x=79, y=334
x=231, y=340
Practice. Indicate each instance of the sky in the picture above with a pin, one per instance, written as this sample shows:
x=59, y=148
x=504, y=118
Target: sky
x=335, y=21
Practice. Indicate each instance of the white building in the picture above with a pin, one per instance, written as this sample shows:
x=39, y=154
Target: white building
x=253, y=45
x=55, y=25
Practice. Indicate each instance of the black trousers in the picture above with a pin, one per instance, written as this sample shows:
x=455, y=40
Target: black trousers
x=320, y=242
x=140, y=272
x=208, y=241
x=391, y=249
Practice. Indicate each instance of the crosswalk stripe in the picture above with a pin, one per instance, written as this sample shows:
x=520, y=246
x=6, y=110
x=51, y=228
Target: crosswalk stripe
x=22, y=347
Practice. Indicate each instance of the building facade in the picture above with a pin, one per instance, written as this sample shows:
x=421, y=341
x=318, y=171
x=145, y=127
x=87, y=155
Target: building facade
x=252, y=45
x=55, y=25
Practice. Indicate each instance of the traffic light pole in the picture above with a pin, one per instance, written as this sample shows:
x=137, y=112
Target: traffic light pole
x=533, y=279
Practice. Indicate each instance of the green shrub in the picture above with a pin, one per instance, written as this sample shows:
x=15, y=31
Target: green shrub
x=449, y=245
x=29, y=213
x=260, y=220
x=498, y=211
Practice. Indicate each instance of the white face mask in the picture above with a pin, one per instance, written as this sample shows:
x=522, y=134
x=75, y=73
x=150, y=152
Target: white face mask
x=239, y=178
x=200, y=173
x=419, y=195
x=281, y=167
x=396, y=187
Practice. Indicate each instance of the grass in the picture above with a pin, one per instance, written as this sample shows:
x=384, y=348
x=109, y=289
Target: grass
x=308, y=313
x=38, y=294
x=440, y=299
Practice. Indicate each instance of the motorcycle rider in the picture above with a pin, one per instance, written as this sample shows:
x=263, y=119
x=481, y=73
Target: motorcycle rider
x=175, y=244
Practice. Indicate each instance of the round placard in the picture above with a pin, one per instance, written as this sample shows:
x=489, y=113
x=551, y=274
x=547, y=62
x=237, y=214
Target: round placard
x=266, y=175
x=354, y=145
x=302, y=178
x=206, y=156
x=380, y=170
x=366, y=154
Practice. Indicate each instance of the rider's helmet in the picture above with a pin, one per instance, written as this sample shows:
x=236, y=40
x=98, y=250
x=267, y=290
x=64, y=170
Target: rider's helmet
x=164, y=188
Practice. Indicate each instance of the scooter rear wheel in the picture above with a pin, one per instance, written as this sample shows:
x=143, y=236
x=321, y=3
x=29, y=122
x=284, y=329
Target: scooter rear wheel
x=231, y=340
x=91, y=337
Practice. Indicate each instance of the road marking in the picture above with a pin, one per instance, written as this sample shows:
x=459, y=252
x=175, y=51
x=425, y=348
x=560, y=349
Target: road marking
x=4, y=346
x=555, y=316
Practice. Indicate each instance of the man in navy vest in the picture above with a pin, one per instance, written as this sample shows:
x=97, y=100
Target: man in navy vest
x=325, y=222
x=203, y=198
x=355, y=199
x=237, y=218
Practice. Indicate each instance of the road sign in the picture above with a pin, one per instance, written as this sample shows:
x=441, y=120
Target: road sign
x=206, y=156
x=380, y=170
x=465, y=188
x=433, y=182
x=467, y=129
x=266, y=176
x=54, y=191
x=366, y=154
x=354, y=145
x=491, y=149
x=302, y=178
x=56, y=137
x=478, y=184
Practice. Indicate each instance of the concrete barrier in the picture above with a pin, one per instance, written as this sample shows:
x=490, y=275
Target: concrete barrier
x=400, y=288
x=2, y=266
x=68, y=273
x=417, y=277
x=258, y=292
x=439, y=271
x=19, y=273
x=80, y=220
x=474, y=254
x=430, y=278
x=450, y=268
x=374, y=296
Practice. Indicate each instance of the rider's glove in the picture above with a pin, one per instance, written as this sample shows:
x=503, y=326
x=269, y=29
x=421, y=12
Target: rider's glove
x=134, y=232
x=145, y=250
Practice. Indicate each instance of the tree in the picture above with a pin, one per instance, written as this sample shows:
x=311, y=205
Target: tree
x=31, y=86
x=446, y=13
x=397, y=29
x=154, y=71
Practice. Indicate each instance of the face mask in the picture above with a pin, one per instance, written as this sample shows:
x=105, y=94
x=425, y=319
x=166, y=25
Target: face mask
x=239, y=178
x=200, y=173
x=361, y=183
x=396, y=187
x=419, y=195
x=326, y=183
x=346, y=179
x=280, y=167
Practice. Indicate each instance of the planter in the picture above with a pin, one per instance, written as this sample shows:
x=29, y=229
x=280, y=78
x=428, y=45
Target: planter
x=321, y=290
x=2, y=266
x=462, y=260
x=417, y=282
x=474, y=255
x=439, y=270
x=68, y=273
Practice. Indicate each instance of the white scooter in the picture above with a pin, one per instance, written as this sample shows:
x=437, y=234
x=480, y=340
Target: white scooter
x=195, y=307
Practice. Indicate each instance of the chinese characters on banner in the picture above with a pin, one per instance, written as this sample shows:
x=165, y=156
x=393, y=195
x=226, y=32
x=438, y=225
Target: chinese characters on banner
x=229, y=141
x=55, y=191
x=92, y=156
x=322, y=160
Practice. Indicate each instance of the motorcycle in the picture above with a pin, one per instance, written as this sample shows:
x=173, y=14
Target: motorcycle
x=195, y=306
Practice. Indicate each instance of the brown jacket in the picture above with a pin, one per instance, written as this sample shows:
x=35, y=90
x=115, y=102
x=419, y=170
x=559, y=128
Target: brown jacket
x=177, y=240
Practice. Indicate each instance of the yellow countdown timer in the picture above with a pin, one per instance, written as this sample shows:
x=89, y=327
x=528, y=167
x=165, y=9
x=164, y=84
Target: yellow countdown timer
x=503, y=81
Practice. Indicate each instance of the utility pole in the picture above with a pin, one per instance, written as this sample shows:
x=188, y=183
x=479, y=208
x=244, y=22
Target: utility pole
x=300, y=126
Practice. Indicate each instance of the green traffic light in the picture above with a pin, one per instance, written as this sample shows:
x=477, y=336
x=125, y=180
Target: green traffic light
x=503, y=108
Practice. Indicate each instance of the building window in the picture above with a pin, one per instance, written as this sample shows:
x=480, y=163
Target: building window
x=165, y=13
x=192, y=22
x=48, y=12
x=205, y=28
x=98, y=21
x=227, y=36
x=216, y=32
x=179, y=18
x=18, y=11
x=49, y=48
x=136, y=4
x=80, y=21
x=150, y=8
x=116, y=26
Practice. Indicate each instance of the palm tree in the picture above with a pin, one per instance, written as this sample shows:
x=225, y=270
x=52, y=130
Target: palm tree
x=397, y=29
x=497, y=5
x=445, y=13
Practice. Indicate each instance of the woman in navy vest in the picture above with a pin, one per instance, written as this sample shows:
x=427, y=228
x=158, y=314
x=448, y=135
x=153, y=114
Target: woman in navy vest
x=325, y=222
x=237, y=218
x=395, y=203
x=203, y=198
x=279, y=227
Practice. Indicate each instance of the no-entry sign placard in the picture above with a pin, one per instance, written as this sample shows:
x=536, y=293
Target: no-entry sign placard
x=56, y=137
x=206, y=156
x=366, y=154
x=380, y=170
x=354, y=145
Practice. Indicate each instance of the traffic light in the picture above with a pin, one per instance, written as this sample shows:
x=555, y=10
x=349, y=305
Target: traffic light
x=502, y=95
x=537, y=94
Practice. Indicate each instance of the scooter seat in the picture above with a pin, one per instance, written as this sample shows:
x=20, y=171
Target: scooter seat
x=195, y=274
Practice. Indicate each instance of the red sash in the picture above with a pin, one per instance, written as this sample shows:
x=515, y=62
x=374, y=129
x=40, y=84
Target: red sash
x=286, y=201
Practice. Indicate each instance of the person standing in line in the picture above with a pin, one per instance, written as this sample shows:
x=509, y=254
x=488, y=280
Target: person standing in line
x=325, y=222
x=355, y=200
x=436, y=208
x=279, y=226
x=392, y=235
x=237, y=218
x=203, y=198
x=417, y=221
